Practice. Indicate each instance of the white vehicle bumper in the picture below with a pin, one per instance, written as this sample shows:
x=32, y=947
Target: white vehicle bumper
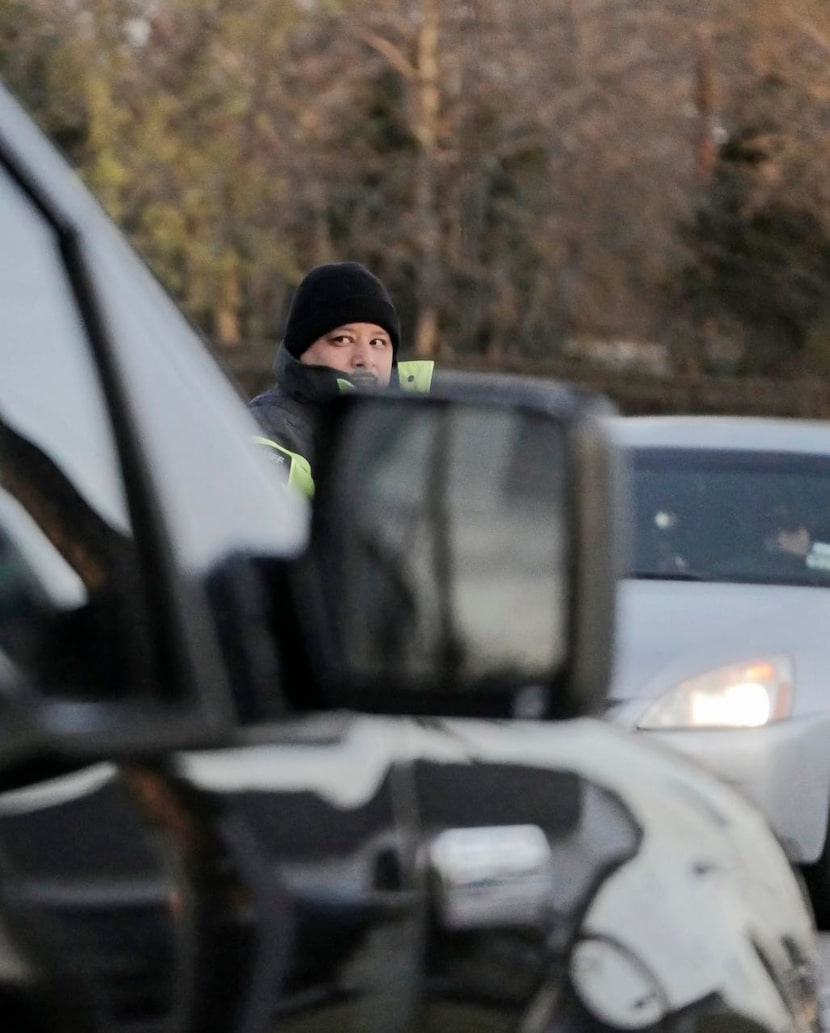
x=783, y=768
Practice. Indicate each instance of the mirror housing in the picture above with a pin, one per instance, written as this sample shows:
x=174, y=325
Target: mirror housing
x=464, y=552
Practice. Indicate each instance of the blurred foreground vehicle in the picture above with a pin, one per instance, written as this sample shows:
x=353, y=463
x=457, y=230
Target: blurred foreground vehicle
x=264, y=772
x=722, y=634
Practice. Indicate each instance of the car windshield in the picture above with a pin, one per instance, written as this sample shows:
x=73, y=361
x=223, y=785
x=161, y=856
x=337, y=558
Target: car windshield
x=705, y=514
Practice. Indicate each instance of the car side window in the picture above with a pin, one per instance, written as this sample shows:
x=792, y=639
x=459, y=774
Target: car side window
x=68, y=570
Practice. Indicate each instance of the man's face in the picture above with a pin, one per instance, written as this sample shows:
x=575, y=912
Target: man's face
x=362, y=351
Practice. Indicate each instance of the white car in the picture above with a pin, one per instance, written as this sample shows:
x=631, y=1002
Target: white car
x=724, y=617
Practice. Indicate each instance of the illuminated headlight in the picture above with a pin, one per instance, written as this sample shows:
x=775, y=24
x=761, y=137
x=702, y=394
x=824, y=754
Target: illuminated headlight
x=739, y=696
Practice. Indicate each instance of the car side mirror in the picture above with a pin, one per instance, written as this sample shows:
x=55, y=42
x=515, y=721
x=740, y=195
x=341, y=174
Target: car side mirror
x=464, y=551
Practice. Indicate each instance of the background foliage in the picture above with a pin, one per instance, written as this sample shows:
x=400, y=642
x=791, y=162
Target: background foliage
x=529, y=178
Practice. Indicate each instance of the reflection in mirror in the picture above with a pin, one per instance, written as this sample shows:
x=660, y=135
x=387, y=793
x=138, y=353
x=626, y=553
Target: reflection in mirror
x=61, y=565
x=69, y=579
x=440, y=546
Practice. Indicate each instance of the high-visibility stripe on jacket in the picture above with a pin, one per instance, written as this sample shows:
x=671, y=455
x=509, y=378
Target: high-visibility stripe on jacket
x=298, y=468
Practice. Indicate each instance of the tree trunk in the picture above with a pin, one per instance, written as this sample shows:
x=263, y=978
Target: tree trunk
x=427, y=232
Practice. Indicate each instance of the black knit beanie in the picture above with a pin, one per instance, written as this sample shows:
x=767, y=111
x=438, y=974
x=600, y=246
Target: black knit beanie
x=333, y=295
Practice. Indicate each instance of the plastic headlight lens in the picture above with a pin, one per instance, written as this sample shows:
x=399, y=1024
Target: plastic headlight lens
x=739, y=696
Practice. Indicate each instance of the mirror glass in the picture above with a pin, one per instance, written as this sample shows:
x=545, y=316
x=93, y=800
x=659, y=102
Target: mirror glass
x=441, y=543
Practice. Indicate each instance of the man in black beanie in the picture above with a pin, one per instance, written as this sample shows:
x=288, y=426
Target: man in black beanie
x=342, y=333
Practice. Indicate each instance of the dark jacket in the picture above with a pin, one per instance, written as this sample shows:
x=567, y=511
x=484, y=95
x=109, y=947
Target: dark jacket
x=288, y=412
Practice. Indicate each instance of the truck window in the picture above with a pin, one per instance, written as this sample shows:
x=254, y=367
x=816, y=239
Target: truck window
x=67, y=561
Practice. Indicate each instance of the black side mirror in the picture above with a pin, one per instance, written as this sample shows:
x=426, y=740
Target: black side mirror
x=464, y=551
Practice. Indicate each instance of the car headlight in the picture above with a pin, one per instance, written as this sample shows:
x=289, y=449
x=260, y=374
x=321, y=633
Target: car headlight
x=739, y=696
